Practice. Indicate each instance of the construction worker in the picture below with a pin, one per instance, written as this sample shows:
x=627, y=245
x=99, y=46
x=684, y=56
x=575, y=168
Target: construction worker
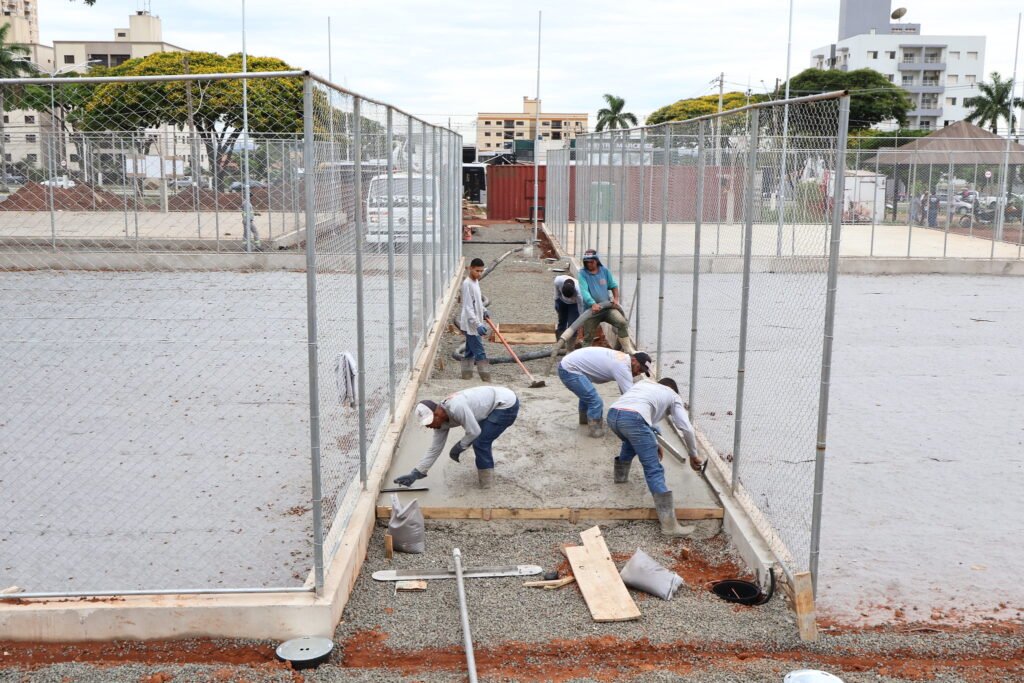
x=583, y=368
x=597, y=286
x=568, y=304
x=484, y=412
x=634, y=418
x=472, y=324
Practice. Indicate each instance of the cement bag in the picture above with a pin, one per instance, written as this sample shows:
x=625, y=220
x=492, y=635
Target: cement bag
x=408, y=534
x=643, y=573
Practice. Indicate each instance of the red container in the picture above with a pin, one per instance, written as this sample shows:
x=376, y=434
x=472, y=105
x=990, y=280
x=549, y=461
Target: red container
x=510, y=192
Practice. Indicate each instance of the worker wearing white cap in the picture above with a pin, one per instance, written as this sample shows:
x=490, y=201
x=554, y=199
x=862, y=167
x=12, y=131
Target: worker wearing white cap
x=484, y=412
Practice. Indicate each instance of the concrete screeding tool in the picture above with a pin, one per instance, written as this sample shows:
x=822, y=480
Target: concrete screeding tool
x=534, y=383
x=683, y=460
x=467, y=637
x=469, y=573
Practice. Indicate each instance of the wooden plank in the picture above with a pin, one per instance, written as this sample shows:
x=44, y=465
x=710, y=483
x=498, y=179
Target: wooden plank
x=529, y=338
x=414, y=585
x=516, y=328
x=804, y=605
x=603, y=590
x=571, y=514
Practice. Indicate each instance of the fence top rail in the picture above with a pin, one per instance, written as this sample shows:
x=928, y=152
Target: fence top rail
x=833, y=95
x=250, y=75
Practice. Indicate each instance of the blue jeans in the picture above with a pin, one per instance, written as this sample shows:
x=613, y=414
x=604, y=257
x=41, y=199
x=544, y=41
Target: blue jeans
x=581, y=385
x=638, y=439
x=491, y=428
x=567, y=314
x=474, y=347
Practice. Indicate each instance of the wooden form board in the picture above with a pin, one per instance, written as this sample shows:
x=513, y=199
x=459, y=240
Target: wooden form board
x=526, y=333
x=606, y=595
x=571, y=514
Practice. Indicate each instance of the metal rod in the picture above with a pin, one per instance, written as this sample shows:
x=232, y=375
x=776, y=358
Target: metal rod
x=610, y=194
x=467, y=637
x=1004, y=166
x=435, y=171
x=910, y=208
x=622, y=203
x=748, y=209
x=425, y=292
x=311, y=336
x=826, y=353
x=698, y=222
x=949, y=205
x=392, y=382
x=785, y=140
x=874, y=206
x=640, y=232
x=246, y=184
x=664, y=247
x=357, y=172
x=53, y=177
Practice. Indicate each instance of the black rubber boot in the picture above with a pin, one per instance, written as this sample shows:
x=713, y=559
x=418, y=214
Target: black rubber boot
x=621, y=470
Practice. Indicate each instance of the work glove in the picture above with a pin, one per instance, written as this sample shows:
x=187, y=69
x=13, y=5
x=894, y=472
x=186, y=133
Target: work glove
x=487, y=314
x=408, y=479
x=481, y=330
x=456, y=451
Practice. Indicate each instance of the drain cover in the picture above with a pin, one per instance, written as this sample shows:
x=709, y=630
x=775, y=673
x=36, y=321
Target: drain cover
x=811, y=676
x=307, y=651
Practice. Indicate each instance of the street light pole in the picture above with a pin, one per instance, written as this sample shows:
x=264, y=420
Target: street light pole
x=537, y=139
x=246, y=203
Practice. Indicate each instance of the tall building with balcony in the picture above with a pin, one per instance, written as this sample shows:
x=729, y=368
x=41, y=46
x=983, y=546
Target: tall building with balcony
x=497, y=132
x=938, y=72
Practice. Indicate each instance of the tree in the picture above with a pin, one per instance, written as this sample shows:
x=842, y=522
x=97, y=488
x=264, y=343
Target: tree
x=213, y=109
x=612, y=116
x=13, y=64
x=873, y=98
x=701, y=106
x=993, y=104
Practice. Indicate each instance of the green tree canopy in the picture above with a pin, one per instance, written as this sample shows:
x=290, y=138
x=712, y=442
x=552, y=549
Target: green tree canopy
x=700, y=106
x=873, y=99
x=613, y=115
x=993, y=104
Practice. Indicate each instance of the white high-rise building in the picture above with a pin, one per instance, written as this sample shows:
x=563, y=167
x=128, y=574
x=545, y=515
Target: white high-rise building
x=938, y=72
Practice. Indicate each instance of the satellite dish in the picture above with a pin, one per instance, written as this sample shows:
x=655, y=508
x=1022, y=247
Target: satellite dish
x=900, y=11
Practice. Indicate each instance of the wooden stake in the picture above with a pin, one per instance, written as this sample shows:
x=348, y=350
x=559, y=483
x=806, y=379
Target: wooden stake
x=389, y=547
x=804, y=605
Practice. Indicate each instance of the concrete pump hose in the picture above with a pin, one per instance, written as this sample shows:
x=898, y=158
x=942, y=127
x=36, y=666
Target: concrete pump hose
x=570, y=332
x=460, y=354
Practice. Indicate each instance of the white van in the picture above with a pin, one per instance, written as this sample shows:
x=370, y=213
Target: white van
x=423, y=188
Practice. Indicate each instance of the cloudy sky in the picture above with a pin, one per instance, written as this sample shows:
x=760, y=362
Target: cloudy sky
x=457, y=57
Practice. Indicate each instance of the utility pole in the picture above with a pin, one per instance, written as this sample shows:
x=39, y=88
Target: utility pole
x=536, y=139
x=718, y=121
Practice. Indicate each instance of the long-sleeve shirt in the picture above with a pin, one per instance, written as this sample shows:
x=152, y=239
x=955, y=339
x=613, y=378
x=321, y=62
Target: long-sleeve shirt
x=654, y=402
x=472, y=307
x=466, y=409
x=595, y=288
x=601, y=365
x=578, y=300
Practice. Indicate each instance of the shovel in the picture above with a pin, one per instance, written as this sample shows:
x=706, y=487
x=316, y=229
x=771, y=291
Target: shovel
x=534, y=383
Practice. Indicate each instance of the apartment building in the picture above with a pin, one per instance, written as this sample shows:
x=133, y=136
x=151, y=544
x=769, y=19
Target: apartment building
x=142, y=37
x=938, y=72
x=497, y=131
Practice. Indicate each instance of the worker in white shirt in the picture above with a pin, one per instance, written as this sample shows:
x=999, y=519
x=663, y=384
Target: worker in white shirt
x=568, y=304
x=634, y=418
x=484, y=412
x=583, y=368
x=472, y=324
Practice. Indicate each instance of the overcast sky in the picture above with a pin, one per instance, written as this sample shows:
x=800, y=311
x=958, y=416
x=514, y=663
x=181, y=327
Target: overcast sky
x=455, y=58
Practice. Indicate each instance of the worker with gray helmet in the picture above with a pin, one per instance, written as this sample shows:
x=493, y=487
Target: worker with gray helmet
x=583, y=368
x=597, y=285
x=634, y=419
x=483, y=412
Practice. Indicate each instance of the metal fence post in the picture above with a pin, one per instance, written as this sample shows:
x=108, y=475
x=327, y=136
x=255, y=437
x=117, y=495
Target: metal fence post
x=622, y=203
x=910, y=208
x=874, y=204
x=410, y=242
x=949, y=205
x=311, y=340
x=640, y=232
x=427, y=309
x=698, y=222
x=664, y=244
x=748, y=237
x=389, y=140
x=826, y=352
x=610, y=193
x=435, y=171
x=357, y=182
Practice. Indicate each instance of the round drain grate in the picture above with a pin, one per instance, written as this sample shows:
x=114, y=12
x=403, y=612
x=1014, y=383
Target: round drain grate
x=305, y=652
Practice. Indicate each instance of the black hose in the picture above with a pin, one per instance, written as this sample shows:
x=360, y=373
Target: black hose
x=460, y=354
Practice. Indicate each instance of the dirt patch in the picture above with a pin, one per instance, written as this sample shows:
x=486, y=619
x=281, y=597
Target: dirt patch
x=36, y=197
x=700, y=564
x=297, y=511
x=608, y=659
x=29, y=655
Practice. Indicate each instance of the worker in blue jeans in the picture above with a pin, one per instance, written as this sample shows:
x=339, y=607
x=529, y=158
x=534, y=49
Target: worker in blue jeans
x=583, y=368
x=634, y=418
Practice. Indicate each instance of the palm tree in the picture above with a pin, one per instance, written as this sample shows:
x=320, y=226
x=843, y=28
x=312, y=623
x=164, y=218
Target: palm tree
x=13, y=64
x=612, y=116
x=993, y=104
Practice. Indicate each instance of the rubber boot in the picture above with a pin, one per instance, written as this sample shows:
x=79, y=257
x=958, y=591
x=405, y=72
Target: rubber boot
x=467, y=368
x=484, y=368
x=486, y=478
x=666, y=509
x=626, y=344
x=596, y=428
x=583, y=417
x=621, y=470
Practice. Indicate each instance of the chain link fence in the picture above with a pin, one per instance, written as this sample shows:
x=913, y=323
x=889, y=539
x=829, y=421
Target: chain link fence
x=206, y=325
x=733, y=295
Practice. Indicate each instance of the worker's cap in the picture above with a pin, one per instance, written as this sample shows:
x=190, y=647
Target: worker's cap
x=591, y=255
x=425, y=412
x=644, y=360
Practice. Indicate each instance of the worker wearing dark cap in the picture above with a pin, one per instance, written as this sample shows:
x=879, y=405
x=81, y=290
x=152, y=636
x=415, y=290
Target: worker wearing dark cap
x=583, y=368
x=597, y=286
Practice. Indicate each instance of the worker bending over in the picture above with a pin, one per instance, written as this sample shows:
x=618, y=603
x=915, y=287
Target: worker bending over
x=568, y=305
x=634, y=418
x=583, y=368
x=484, y=412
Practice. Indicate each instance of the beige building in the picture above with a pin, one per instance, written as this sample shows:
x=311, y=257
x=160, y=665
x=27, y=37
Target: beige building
x=143, y=37
x=497, y=131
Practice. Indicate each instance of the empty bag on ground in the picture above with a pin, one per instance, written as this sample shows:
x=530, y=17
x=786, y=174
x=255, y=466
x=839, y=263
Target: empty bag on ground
x=643, y=573
x=406, y=527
